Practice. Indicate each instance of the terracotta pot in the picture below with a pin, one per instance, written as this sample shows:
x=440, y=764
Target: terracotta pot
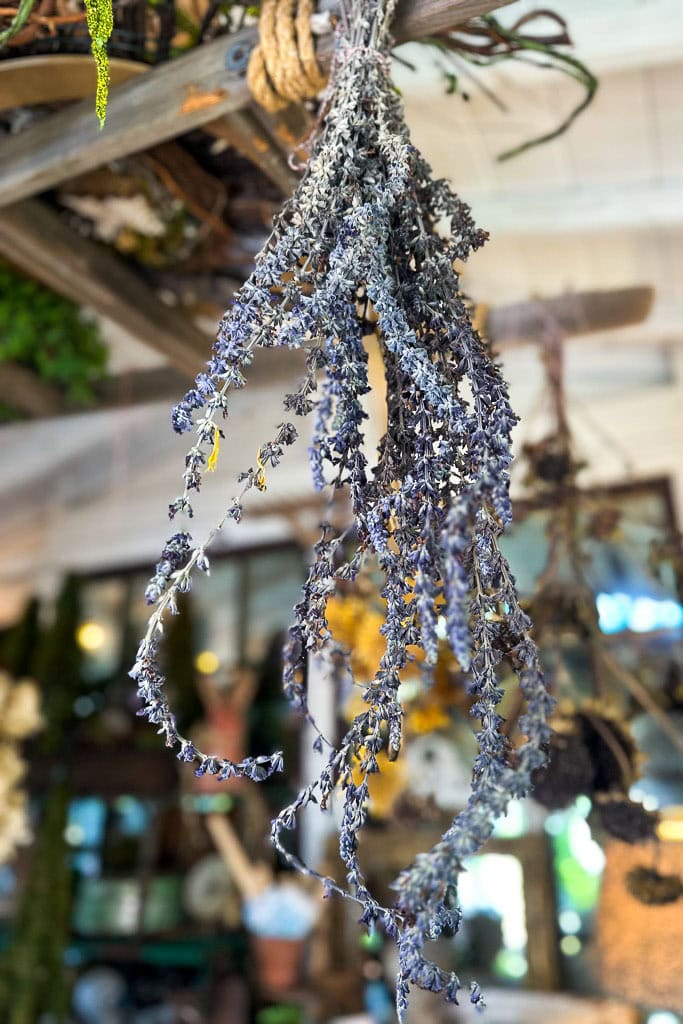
x=278, y=962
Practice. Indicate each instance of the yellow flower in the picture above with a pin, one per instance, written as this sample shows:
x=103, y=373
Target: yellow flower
x=427, y=718
x=260, y=474
x=213, y=456
x=385, y=786
x=356, y=625
x=355, y=622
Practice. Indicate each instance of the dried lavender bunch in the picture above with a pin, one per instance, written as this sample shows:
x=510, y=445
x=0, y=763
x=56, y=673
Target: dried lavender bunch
x=367, y=245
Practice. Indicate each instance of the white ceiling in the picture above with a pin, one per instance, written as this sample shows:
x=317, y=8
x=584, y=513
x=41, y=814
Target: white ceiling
x=600, y=207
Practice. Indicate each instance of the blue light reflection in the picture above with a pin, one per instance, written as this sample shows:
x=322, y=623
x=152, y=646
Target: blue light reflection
x=640, y=614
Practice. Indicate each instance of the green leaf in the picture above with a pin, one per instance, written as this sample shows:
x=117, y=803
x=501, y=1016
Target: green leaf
x=48, y=334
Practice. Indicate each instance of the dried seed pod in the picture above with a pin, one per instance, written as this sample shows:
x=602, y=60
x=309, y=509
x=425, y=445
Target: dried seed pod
x=652, y=888
x=569, y=772
x=625, y=819
x=612, y=749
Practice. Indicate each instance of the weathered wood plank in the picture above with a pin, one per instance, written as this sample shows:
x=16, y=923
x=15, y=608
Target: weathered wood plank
x=418, y=18
x=287, y=128
x=35, y=240
x=24, y=391
x=58, y=78
x=62, y=78
x=570, y=314
x=172, y=99
x=166, y=384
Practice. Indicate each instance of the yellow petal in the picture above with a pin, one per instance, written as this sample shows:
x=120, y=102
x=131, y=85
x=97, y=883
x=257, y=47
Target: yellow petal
x=260, y=475
x=213, y=457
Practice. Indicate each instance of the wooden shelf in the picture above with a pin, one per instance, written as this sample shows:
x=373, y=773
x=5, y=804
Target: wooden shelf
x=182, y=948
x=109, y=772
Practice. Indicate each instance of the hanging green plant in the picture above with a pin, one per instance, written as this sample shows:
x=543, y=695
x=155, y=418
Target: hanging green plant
x=48, y=334
x=100, y=26
x=100, y=20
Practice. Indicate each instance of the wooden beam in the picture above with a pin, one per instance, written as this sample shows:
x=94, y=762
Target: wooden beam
x=582, y=209
x=166, y=384
x=36, y=241
x=58, y=78
x=245, y=134
x=23, y=390
x=570, y=314
x=416, y=19
x=173, y=98
x=578, y=313
x=287, y=128
x=63, y=78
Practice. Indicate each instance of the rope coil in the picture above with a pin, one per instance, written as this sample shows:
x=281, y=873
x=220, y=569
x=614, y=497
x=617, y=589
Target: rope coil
x=283, y=67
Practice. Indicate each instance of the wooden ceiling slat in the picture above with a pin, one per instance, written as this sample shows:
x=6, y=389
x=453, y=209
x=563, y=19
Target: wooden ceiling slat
x=571, y=314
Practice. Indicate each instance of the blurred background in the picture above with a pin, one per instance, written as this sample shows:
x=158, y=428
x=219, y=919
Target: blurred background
x=131, y=891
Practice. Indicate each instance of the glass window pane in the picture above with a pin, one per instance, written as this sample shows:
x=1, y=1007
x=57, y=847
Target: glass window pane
x=274, y=582
x=100, y=634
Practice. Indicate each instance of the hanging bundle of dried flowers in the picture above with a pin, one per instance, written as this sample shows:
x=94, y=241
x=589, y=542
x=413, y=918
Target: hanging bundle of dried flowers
x=367, y=245
x=592, y=751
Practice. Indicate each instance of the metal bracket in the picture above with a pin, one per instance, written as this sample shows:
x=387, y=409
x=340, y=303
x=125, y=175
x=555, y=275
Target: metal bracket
x=237, y=57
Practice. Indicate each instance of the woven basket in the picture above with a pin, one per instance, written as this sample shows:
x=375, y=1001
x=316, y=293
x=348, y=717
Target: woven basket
x=639, y=945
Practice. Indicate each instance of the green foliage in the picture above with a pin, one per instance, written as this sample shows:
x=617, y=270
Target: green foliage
x=45, y=332
x=485, y=41
x=58, y=667
x=32, y=975
x=558, y=61
x=100, y=14
x=19, y=643
x=179, y=664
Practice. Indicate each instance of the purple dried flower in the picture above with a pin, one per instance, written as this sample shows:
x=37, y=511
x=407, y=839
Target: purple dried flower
x=354, y=250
